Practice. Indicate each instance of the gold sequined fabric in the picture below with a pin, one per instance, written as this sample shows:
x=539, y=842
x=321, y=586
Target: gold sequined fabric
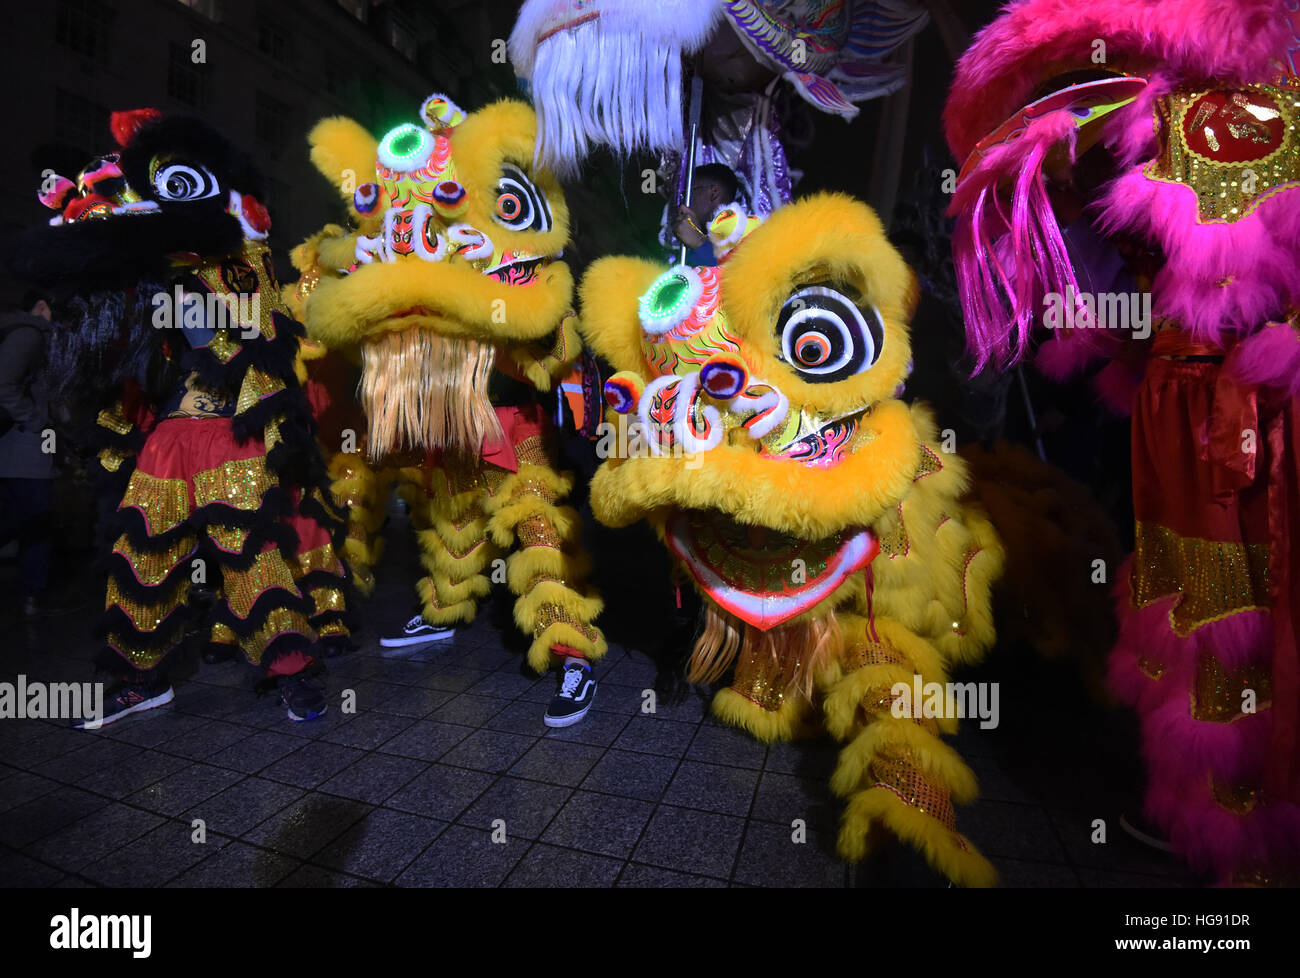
x=898, y=772
x=550, y=614
x=532, y=451
x=320, y=558
x=536, y=531
x=893, y=537
x=151, y=568
x=1236, y=798
x=241, y=278
x=279, y=622
x=764, y=680
x=242, y=588
x=1217, y=697
x=164, y=503
x=1215, y=578
x=111, y=460
x=326, y=599
x=1234, y=147
x=114, y=421
x=257, y=385
x=240, y=483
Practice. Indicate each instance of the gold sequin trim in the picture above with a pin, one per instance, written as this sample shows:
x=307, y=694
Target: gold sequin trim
x=1228, y=192
x=257, y=385
x=536, y=531
x=1217, y=697
x=1216, y=579
x=278, y=622
x=111, y=460
x=764, y=680
x=321, y=558
x=897, y=771
x=114, y=421
x=164, y=503
x=145, y=616
x=151, y=568
x=242, y=588
x=1236, y=798
x=240, y=483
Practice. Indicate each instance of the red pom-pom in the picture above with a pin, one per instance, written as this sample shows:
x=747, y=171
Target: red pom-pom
x=255, y=214
x=126, y=124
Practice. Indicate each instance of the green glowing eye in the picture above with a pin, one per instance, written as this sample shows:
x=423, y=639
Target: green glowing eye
x=405, y=148
x=668, y=296
x=670, y=299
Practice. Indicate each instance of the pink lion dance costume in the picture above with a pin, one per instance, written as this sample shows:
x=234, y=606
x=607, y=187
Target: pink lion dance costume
x=1193, y=104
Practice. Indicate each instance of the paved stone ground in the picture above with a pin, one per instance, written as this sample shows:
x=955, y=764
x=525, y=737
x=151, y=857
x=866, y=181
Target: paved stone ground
x=448, y=739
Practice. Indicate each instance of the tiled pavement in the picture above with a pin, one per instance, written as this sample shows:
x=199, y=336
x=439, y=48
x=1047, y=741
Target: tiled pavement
x=446, y=749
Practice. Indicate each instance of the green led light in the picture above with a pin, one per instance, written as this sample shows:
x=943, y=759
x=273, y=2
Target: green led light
x=405, y=142
x=669, y=296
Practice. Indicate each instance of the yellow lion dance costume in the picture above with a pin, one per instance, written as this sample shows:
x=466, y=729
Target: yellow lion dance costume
x=449, y=294
x=810, y=506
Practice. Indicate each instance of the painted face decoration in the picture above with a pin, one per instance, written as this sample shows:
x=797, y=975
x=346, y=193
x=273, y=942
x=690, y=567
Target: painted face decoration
x=775, y=372
x=423, y=199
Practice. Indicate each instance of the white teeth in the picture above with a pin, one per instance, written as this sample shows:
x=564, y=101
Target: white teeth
x=138, y=206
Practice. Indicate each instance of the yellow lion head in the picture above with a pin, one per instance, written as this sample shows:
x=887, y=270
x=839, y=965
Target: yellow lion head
x=765, y=393
x=455, y=254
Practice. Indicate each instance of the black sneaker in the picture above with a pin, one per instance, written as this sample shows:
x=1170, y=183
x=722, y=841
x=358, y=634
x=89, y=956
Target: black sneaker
x=303, y=697
x=417, y=631
x=571, y=703
x=218, y=652
x=122, y=702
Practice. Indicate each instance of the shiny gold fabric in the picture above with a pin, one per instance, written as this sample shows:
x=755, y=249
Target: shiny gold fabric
x=1215, y=579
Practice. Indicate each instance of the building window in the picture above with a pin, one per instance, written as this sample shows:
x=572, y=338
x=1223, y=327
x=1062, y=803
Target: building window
x=401, y=36
x=85, y=28
x=79, y=122
x=186, y=81
x=360, y=9
x=211, y=9
x=272, y=38
x=272, y=122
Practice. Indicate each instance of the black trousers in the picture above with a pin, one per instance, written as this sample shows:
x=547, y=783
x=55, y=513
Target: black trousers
x=25, y=516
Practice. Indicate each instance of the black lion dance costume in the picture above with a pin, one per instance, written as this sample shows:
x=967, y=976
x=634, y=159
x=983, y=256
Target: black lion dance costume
x=175, y=319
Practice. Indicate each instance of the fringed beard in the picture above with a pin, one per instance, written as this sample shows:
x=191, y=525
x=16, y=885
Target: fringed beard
x=103, y=339
x=797, y=651
x=421, y=390
x=616, y=82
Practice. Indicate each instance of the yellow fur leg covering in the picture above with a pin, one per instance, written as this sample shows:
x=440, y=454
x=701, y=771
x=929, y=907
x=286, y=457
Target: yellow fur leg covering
x=948, y=852
x=548, y=579
x=586, y=639
x=795, y=718
x=438, y=612
x=361, y=489
x=895, y=771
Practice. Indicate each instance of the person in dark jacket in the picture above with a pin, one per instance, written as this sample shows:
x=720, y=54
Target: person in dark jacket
x=27, y=445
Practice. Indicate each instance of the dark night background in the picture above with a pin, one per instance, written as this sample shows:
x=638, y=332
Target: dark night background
x=454, y=729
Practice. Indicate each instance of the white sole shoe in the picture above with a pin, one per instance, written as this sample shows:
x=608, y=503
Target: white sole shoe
x=425, y=639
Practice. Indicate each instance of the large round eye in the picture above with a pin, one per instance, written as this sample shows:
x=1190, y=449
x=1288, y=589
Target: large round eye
x=826, y=337
x=182, y=181
x=520, y=206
